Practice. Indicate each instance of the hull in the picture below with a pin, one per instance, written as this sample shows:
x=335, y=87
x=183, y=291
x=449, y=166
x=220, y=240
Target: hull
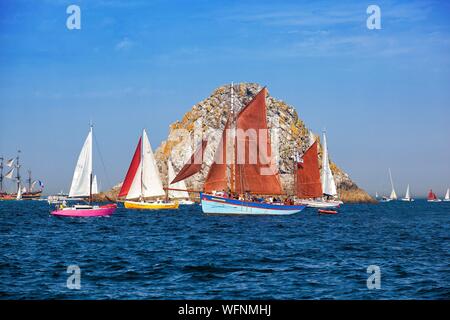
x=31, y=195
x=186, y=203
x=151, y=205
x=436, y=200
x=224, y=206
x=86, y=212
x=320, y=204
x=327, y=212
x=407, y=200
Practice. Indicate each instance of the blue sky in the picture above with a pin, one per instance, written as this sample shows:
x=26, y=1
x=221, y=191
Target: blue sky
x=383, y=95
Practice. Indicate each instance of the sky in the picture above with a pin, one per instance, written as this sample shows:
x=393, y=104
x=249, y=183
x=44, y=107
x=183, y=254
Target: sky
x=383, y=95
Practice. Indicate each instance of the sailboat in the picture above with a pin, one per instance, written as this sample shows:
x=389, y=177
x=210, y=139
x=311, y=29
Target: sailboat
x=393, y=195
x=82, y=186
x=143, y=181
x=232, y=188
x=178, y=190
x=408, y=196
x=447, y=196
x=309, y=185
x=432, y=197
x=376, y=195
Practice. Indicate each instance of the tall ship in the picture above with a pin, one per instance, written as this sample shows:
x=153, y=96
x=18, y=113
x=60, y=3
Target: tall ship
x=236, y=185
x=34, y=190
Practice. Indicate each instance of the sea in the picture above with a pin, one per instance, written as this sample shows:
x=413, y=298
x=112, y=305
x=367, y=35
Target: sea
x=393, y=250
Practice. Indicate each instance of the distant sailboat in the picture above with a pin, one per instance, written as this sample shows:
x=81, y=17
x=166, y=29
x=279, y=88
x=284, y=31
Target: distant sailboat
x=432, y=197
x=178, y=190
x=447, y=196
x=393, y=195
x=143, y=181
x=82, y=187
x=376, y=195
x=408, y=196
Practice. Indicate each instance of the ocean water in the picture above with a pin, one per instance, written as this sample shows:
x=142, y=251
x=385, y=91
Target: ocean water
x=187, y=255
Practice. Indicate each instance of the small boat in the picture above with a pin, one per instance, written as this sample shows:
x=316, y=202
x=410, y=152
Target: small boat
x=432, y=197
x=322, y=211
x=240, y=178
x=385, y=199
x=447, y=196
x=407, y=197
x=82, y=186
x=143, y=181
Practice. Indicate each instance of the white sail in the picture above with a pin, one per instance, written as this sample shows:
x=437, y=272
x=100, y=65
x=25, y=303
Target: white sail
x=447, y=195
x=181, y=185
x=147, y=182
x=10, y=174
x=81, y=182
x=393, y=193
x=407, y=196
x=10, y=163
x=94, y=185
x=19, y=193
x=328, y=183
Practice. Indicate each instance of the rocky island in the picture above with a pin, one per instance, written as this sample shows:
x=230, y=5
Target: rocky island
x=284, y=124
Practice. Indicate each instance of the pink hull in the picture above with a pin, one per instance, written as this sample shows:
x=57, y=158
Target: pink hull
x=97, y=212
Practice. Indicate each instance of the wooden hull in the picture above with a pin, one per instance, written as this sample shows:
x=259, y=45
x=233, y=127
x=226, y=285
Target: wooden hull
x=225, y=206
x=151, y=205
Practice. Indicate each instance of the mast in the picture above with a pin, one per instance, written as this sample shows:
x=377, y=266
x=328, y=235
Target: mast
x=142, y=166
x=90, y=174
x=1, y=174
x=230, y=150
x=29, y=180
x=18, y=172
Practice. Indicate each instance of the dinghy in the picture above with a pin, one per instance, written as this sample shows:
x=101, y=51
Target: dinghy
x=143, y=181
x=234, y=187
x=432, y=197
x=447, y=196
x=322, y=211
x=82, y=187
x=407, y=197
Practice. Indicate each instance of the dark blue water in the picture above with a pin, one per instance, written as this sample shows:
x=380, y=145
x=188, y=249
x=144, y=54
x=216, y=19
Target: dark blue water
x=186, y=255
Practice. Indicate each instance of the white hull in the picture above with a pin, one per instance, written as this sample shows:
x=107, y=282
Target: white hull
x=407, y=200
x=320, y=204
x=437, y=200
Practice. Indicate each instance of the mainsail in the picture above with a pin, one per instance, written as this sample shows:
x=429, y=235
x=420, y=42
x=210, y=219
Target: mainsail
x=216, y=179
x=393, y=193
x=142, y=180
x=81, y=182
x=407, y=196
x=447, y=195
x=432, y=195
x=260, y=175
x=308, y=174
x=177, y=193
x=328, y=183
x=193, y=166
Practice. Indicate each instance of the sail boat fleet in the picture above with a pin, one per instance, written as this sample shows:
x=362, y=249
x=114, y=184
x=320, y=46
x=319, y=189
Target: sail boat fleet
x=432, y=197
x=235, y=188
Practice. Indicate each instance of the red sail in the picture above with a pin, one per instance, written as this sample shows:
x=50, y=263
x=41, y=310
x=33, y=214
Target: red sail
x=194, y=165
x=253, y=175
x=134, y=166
x=431, y=195
x=309, y=184
x=217, y=176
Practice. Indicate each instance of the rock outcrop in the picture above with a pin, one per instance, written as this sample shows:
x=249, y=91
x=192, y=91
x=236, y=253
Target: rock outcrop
x=289, y=134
